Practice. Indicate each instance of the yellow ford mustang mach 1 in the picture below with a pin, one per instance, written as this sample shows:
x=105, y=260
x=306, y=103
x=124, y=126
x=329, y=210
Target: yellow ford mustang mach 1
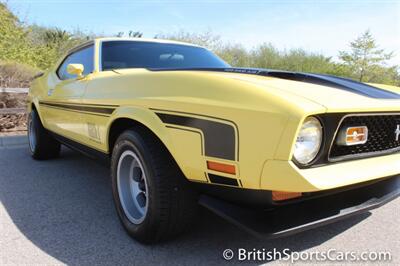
x=274, y=152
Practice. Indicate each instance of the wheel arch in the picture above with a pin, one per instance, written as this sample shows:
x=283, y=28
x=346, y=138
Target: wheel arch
x=121, y=124
x=34, y=106
x=125, y=118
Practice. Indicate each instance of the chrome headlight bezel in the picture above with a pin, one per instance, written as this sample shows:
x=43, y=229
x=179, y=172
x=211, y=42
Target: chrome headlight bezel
x=309, y=141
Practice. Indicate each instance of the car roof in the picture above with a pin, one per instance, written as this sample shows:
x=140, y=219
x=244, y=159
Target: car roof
x=108, y=39
x=146, y=40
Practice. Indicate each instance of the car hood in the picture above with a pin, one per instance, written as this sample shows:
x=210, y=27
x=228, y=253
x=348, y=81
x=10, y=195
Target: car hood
x=334, y=94
x=334, y=99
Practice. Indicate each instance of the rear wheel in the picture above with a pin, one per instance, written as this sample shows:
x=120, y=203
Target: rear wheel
x=152, y=197
x=41, y=144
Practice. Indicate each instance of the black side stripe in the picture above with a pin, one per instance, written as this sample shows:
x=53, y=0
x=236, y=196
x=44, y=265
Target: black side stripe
x=84, y=108
x=74, y=111
x=219, y=138
x=222, y=180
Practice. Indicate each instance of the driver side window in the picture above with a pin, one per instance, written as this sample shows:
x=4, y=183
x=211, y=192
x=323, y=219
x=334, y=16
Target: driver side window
x=84, y=56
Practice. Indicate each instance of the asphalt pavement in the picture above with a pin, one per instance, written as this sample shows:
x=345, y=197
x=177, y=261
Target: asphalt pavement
x=61, y=212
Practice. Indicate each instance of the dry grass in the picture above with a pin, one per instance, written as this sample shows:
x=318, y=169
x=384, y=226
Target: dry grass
x=12, y=100
x=15, y=75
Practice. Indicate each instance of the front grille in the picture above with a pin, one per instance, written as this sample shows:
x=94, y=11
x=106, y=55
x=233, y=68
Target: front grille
x=381, y=136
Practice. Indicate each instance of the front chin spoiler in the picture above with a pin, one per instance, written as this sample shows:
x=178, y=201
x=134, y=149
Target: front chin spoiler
x=294, y=218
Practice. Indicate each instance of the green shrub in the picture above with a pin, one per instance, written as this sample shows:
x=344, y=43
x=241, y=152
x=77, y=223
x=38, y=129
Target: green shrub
x=40, y=47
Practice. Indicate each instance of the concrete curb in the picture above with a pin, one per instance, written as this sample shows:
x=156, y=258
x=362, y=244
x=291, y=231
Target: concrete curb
x=8, y=111
x=13, y=141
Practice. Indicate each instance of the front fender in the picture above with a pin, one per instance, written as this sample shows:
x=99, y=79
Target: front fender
x=184, y=146
x=144, y=116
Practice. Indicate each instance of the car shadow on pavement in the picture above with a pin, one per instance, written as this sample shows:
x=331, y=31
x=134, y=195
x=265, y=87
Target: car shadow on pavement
x=65, y=208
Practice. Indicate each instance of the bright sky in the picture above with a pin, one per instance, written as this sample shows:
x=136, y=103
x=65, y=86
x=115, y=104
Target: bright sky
x=319, y=26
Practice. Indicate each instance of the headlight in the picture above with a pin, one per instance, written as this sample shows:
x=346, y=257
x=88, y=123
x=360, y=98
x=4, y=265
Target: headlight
x=308, y=141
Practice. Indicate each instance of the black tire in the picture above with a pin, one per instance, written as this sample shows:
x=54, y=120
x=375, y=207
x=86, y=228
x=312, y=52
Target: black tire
x=41, y=144
x=172, y=204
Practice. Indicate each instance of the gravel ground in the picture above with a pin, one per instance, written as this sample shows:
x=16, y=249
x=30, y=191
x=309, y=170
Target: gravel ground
x=61, y=212
x=12, y=112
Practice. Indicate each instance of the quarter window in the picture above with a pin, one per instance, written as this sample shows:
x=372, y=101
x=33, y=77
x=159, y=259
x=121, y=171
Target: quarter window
x=84, y=56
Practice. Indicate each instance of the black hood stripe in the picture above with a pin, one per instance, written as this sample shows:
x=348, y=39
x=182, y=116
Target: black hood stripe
x=337, y=82
x=319, y=79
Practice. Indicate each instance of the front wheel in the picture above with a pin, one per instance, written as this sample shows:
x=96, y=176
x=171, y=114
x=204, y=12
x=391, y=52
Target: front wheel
x=151, y=195
x=41, y=144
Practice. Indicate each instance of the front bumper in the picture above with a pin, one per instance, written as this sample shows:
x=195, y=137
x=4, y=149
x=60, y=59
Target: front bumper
x=286, y=176
x=293, y=218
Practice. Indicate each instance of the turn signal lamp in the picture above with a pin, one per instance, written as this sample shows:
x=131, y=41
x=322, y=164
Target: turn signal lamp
x=353, y=136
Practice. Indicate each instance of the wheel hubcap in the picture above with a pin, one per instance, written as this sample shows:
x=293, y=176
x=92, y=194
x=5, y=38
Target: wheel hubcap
x=31, y=135
x=132, y=187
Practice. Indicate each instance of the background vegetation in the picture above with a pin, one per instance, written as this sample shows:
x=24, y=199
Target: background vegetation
x=26, y=49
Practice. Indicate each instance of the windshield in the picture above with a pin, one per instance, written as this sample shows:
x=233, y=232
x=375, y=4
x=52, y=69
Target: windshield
x=131, y=54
